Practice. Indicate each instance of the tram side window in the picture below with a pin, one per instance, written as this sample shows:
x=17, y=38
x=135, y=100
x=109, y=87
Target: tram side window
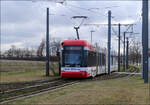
x=85, y=59
x=91, y=59
x=103, y=59
x=100, y=59
x=112, y=60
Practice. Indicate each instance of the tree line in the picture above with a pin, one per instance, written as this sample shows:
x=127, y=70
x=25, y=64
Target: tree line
x=135, y=50
x=38, y=51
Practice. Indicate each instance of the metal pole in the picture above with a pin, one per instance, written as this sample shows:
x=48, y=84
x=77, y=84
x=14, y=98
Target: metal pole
x=119, y=47
x=142, y=56
x=127, y=50
x=109, y=40
x=47, y=43
x=59, y=62
x=145, y=39
x=124, y=51
x=91, y=37
x=76, y=28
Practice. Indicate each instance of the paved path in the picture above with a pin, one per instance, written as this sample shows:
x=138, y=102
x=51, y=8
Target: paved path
x=128, y=73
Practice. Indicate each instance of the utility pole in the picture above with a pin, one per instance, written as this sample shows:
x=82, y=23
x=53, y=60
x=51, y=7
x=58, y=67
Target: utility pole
x=47, y=42
x=77, y=28
x=119, y=27
x=91, y=35
x=119, y=47
x=145, y=39
x=124, y=36
x=142, y=54
x=127, y=51
x=109, y=40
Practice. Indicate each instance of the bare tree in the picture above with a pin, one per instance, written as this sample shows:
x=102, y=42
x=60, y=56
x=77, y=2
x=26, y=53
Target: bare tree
x=26, y=52
x=135, y=52
x=55, y=45
x=33, y=51
x=11, y=51
x=20, y=52
x=17, y=52
x=41, y=48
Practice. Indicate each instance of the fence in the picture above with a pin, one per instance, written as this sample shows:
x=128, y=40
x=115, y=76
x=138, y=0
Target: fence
x=52, y=58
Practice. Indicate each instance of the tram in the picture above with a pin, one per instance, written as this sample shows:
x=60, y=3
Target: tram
x=80, y=59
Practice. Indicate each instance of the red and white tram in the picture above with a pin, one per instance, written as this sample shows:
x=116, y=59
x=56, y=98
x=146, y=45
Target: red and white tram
x=78, y=59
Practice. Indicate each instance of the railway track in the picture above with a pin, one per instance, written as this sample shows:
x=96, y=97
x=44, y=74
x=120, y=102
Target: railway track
x=27, y=91
x=13, y=94
x=17, y=85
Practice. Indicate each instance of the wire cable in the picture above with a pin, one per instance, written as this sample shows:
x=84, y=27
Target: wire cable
x=85, y=9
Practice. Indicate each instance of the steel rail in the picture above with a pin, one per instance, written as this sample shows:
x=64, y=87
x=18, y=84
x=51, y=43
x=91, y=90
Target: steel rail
x=26, y=87
x=22, y=96
x=29, y=82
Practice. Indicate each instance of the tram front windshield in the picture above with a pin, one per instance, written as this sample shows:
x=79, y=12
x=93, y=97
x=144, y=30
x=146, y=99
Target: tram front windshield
x=72, y=56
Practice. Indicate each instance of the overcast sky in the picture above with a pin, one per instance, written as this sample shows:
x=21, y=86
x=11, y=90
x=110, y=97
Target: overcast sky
x=23, y=24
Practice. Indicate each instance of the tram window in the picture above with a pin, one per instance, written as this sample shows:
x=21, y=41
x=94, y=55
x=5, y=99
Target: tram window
x=72, y=58
x=73, y=48
x=100, y=59
x=103, y=59
x=85, y=58
x=112, y=60
x=92, y=61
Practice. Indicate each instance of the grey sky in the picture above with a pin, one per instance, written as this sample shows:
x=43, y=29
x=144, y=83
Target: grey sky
x=23, y=23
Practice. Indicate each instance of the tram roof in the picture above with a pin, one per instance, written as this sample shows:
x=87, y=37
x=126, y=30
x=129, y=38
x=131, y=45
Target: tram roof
x=78, y=42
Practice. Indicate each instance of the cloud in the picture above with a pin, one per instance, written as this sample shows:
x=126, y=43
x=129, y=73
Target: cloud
x=25, y=22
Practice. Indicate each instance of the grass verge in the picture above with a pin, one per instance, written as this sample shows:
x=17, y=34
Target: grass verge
x=119, y=91
x=132, y=68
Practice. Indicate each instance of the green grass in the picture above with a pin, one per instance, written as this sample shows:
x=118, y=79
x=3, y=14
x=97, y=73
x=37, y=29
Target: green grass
x=119, y=91
x=132, y=68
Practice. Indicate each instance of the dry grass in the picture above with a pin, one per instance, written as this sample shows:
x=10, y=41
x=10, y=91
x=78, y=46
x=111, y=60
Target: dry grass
x=121, y=91
x=22, y=75
x=19, y=71
x=9, y=65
